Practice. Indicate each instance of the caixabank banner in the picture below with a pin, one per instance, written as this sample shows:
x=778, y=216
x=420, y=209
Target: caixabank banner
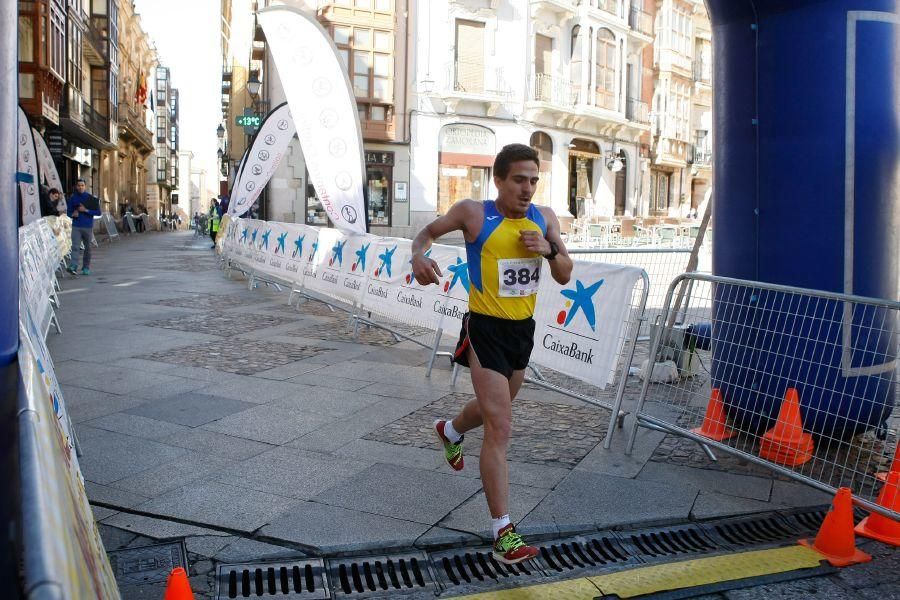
x=298, y=248
x=317, y=276
x=580, y=326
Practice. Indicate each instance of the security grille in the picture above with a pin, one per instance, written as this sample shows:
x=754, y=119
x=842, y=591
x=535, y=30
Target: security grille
x=381, y=576
x=297, y=579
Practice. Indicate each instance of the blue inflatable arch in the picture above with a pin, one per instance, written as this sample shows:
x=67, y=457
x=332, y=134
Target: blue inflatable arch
x=807, y=189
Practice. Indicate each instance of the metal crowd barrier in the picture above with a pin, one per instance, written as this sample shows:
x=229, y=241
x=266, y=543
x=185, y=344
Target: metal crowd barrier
x=662, y=265
x=800, y=381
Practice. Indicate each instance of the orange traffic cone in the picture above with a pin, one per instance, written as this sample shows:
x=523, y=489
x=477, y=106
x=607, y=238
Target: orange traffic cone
x=786, y=443
x=835, y=540
x=714, y=426
x=178, y=587
x=878, y=526
x=895, y=465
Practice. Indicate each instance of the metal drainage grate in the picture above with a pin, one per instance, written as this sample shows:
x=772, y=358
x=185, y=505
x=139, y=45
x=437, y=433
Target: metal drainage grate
x=147, y=564
x=584, y=553
x=381, y=576
x=808, y=521
x=478, y=568
x=669, y=541
x=295, y=579
x=741, y=532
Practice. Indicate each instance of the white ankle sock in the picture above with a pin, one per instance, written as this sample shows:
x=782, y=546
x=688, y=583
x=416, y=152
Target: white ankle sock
x=498, y=524
x=450, y=433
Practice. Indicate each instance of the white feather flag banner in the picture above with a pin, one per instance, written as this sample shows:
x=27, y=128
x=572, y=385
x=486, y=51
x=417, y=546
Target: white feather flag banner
x=259, y=164
x=28, y=171
x=49, y=174
x=324, y=109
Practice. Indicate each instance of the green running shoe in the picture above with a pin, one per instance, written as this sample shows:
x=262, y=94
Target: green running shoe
x=85, y=271
x=510, y=548
x=452, y=452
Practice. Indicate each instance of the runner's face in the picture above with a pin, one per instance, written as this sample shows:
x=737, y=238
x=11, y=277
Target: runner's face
x=79, y=187
x=515, y=192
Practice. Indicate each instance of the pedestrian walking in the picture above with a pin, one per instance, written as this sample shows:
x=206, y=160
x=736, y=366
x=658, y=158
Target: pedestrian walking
x=213, y=222
x=507, y=241
x=82, y=207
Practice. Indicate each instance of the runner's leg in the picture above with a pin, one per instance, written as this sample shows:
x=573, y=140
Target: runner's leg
x=495, y=409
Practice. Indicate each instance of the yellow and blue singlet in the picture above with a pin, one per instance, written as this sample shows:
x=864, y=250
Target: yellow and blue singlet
x=499, y=239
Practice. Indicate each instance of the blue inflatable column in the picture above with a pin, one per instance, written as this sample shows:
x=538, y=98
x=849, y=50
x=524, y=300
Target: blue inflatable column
x=807, y=194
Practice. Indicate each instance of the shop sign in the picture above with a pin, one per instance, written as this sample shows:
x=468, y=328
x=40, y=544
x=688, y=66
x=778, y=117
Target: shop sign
x=467, y=139
x=380, y=158
x=454, y=172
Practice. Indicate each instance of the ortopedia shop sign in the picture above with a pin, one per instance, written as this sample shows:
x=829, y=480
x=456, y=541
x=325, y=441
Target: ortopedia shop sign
x=467, y=139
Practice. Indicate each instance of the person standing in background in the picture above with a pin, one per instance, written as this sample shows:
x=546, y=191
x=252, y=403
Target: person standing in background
x=82, y=208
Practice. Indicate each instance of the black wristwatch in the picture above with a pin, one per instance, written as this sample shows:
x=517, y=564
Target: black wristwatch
x=554, y=250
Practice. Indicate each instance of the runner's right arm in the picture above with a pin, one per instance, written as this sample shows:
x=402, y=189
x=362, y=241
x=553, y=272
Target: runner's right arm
x=425, y=269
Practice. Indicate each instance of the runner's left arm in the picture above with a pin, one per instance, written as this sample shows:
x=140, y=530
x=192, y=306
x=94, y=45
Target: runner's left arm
x=561, y=265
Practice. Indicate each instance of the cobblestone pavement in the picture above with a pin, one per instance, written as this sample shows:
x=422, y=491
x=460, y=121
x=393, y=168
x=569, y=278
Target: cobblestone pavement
x=221, y=323
x=240, y=356
x=544, y=433
x=207, y=300
x=339, y=331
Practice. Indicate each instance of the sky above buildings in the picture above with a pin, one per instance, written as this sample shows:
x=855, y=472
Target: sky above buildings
x=187, y=34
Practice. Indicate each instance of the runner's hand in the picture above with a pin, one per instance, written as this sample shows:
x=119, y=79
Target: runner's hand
x=534, y=242
x=426, y=270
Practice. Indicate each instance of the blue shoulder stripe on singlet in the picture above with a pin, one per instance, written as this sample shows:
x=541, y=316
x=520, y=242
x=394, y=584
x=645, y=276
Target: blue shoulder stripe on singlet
x=535, y=214
x=473, y=250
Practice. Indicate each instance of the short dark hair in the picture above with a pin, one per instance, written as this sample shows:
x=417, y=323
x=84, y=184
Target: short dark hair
x=77, y=181
x=513, y=153
x=53, y=191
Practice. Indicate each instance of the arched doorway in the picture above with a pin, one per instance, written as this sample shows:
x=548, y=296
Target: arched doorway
x=582, y=154
x=543, y=145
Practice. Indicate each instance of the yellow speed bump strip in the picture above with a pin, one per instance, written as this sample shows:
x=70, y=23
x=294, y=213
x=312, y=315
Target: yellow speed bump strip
x=669, y=576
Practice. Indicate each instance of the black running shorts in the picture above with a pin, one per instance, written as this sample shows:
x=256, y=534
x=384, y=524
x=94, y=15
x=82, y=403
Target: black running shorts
x=501, y=345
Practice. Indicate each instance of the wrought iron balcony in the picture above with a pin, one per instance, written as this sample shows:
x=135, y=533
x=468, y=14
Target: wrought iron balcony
x=94, y=121
x=640, y=22
x=637, y=111
x=701, y=154
x=702, y=71
x=555, y=90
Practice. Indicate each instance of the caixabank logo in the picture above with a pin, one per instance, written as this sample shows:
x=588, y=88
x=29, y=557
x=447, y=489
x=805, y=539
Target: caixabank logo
x=410, y=276
x=360, y=262
x=386, y=258
x=245, y=235
x=460, y=272
x=253, y=237
x=337, y=254
x=298, y=247
x=579, y=300
x=279, y=244
x=264, y=245
x=313, y=251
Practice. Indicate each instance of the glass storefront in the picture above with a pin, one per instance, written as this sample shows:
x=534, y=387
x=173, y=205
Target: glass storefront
x=464, y=165
x=379, y=183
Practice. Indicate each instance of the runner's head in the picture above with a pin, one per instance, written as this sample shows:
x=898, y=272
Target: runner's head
x=516, y=176
x=79, y=186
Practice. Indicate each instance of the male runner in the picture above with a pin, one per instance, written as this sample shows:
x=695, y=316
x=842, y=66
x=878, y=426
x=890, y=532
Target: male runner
x=507, y=240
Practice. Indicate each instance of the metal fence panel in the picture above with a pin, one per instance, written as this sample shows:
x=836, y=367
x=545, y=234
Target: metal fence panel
x=807, y=379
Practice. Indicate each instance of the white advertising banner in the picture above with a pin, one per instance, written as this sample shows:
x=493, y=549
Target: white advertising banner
x=384, y=294
x=324, y=109
x=268, y=148
x=297, y=250
x=350, y=258
x=272, y=243
x=580, y=327
x=319, y=276
x=454, y=287
x=28, y=166
x=49, y=174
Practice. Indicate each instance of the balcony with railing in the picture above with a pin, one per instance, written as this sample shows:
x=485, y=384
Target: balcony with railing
x=701, y=153
x=607, y=6
x=637, y=111
x=640, y=22
x=94, y=121
x=552, y=90
x=474, y=82
x=94, y=45
x=702, y=71
x=133, y=126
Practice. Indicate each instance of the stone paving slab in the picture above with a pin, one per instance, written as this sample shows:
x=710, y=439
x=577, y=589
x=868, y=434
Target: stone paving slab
x=729, y=484
x=335, y=529
x=219, y=504
x=137, y=426
x=158, y=528
x=290, y=472
x=178, y=473
x=217, y=444
x=269, y=424
x=191, y=409
x=108, y=456
x=473, y=516
x=86, y=405
x=401, y=492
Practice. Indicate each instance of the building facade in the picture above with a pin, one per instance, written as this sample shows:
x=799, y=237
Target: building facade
x=162, y=164
x=681, y=151
x=615, y=96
